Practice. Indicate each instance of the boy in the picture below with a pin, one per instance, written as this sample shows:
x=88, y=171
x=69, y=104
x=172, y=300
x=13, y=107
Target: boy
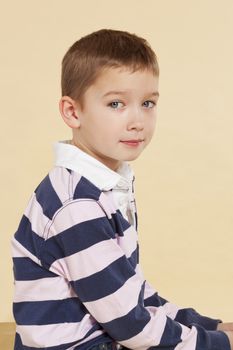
x=78, y=284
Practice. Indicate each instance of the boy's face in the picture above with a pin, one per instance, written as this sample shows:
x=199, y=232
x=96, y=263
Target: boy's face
x=119, y=116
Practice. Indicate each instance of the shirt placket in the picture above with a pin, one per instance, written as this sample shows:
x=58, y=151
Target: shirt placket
x=123, y=195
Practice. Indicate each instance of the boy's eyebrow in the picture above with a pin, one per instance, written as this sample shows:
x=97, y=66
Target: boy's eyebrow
x=114, y=92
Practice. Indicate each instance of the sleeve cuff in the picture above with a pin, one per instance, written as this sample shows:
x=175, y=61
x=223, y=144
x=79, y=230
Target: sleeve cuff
x=189, y=316
x=212, y=340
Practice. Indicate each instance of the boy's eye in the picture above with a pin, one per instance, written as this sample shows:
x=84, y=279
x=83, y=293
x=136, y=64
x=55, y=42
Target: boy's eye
x=114, y=104
x=153, y=103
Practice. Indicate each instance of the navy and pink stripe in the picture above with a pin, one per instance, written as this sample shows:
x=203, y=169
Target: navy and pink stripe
x=78, y=279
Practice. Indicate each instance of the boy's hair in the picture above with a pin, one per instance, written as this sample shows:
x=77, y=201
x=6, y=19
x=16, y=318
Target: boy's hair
x=106, y=48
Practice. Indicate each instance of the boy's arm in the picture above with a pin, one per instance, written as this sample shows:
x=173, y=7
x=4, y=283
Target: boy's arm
x=83, y=249
x=186, y=316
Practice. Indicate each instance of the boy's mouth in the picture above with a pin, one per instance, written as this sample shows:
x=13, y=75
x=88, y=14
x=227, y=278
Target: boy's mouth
x=132, y=142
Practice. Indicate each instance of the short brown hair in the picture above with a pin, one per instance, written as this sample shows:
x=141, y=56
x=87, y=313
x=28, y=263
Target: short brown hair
x=105, y=48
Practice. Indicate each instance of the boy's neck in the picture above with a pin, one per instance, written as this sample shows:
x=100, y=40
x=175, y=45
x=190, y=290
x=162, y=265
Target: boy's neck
x=86, y=150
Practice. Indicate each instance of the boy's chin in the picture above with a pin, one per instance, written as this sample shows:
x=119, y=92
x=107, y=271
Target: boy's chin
x=133, y=157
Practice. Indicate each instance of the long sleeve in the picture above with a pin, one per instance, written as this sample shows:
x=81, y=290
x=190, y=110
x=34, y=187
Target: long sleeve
x=83, y=247
x=185, y=316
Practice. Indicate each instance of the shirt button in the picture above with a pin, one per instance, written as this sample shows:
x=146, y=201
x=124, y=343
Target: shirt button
x=121, y=183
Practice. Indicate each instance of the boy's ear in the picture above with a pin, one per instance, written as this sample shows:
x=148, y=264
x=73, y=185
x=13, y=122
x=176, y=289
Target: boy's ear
x=69, y=113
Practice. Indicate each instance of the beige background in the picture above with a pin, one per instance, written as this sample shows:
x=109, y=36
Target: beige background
x=184, y=178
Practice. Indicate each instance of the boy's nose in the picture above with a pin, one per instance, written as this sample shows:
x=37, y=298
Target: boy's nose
x=138, y=125
x=137, y=120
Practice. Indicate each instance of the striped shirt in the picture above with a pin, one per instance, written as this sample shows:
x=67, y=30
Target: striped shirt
x=76, y=266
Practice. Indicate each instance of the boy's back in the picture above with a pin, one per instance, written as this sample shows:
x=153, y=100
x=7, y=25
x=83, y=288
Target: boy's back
x=47, y=262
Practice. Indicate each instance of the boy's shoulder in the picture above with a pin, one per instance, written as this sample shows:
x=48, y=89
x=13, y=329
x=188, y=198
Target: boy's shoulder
x=62, y=185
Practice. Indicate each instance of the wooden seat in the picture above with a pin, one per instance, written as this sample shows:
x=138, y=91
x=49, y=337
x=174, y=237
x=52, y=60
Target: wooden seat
x=7, y=335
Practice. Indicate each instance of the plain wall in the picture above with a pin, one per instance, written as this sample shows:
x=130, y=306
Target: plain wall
x=183, y=179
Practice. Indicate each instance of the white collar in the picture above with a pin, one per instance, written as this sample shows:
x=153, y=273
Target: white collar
x=72, y=157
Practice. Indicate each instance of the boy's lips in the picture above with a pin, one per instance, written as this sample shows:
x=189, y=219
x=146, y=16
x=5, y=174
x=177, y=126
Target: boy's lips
x=132, y=142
